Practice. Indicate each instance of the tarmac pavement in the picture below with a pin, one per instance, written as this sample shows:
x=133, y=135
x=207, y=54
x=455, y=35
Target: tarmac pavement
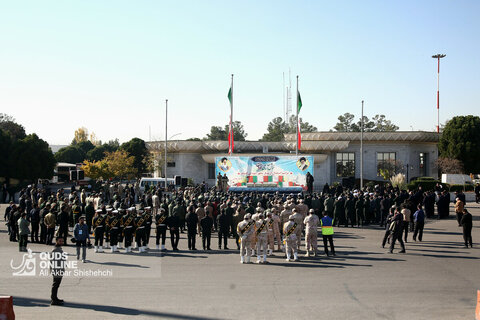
x=436, y=279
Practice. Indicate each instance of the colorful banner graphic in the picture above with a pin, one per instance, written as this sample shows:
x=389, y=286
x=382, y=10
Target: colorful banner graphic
x=265, y=171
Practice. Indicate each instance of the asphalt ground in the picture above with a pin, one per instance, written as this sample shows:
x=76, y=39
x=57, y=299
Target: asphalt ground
x=436, y=279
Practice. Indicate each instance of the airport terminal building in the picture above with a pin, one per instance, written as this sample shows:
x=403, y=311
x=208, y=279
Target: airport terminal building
x=336, y=154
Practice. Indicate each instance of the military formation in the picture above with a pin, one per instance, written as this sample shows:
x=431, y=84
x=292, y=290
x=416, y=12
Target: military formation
x=122, y=217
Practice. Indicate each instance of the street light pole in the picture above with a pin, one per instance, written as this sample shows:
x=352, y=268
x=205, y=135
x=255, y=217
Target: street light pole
x=361, y=149
x=166, y=121
x=438, y=57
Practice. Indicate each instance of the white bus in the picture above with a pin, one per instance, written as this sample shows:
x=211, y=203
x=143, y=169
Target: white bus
x=155, y=182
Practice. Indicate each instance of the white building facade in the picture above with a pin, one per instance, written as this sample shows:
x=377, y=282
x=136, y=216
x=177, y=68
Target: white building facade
x=336, y=155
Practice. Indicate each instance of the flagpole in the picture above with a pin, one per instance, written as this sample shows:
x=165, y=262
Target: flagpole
x=231, y=118
x=296, y=149
x=166, y=113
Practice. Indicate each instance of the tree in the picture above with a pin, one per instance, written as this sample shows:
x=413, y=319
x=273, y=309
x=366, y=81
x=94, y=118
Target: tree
x=70, y=154
x=97, y=170
x=304, y=126
x=389, y=168
x=138, y=149
x=382, y=124
x=85, y=146
x=217, y=133
x=461, y=140
x=8, y=124
x=276, y=130
x=344, y=123
x=449, y=165
x=32, y=159
x=121, y=164
x=5, y=152
x=378, y=124
x=98, y=153
x=194, y=139
x=81, y=134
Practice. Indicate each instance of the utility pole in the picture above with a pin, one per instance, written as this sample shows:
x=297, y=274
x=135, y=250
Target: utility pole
x=361, y=149
x=438, y=57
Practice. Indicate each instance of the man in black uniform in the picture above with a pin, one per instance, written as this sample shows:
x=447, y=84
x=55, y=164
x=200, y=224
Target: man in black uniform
x=192, y=222
x=161, y=230
x=140, y=231
x=206, y=223
x=107, y=227
x=121, y=213
x=128, y=228
x=98, y=224
x=113, y=222
x=58, y=268
x=173, y=223
x=148, y=225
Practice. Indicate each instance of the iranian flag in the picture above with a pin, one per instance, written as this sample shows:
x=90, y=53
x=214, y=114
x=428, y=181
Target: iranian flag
x=230, y=129
x=299, y=133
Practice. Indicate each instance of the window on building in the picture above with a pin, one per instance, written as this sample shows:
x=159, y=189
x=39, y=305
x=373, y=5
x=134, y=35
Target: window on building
x=211, y=171
x=171, y=164
x=386, y=161
x=345, y=164
x=422, y=164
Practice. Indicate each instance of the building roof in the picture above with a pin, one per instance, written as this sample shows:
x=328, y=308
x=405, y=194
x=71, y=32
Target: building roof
x=396, y=136
x=314, y=142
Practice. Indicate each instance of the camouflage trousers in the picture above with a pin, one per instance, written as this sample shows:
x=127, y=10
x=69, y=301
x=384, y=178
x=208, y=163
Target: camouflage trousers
x=291, y=245
x=311, y=241
x=245, y=247
x=261, y=246
x=270, y=241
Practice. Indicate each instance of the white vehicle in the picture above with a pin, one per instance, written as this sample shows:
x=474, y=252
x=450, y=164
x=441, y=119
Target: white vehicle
x=155, y=182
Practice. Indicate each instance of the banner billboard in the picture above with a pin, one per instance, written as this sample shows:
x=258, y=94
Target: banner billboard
x=265, y=171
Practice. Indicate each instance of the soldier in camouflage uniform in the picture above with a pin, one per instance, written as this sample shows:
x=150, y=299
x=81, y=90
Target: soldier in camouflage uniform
x=290, y=238
x=311, y=223
x=261, y=234
x=246, y=230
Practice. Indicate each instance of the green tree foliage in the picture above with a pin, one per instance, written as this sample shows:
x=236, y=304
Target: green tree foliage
x=461, y=140
x=277, y=128
x=98, y=153
x=70, y=154
x=217, y=133
x=5, y=152
x=9, y=126
x=31, y=159
x=378, y=124
x=194, y=139
x=138, y=149
x=85, y=146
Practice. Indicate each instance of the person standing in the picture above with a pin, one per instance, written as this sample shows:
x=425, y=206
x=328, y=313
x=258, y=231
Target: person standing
x=311, y=224
x=406, y=220
x=80, y=233
x=309, y=180
x=223, y=223
x=161, y=228
x=261, y=235
x=397, y=230
x=34, y=217
x=327, y=233
x=173, y=223
x=23, y=232
x=245, y=230
x=98, y=224
x=62, y=221
x=57, y=258
x=192, y=222
x=140, y=231
x=290, y=238
x=467, y=225
x=459, y=205
x=50, y=224
x=89, y=213
x=207, y=224
x=419, y=220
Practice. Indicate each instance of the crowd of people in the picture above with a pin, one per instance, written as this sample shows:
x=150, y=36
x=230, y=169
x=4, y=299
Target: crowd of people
x=118, y=217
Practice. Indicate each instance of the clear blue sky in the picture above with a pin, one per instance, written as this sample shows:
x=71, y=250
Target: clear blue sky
x=110, y=65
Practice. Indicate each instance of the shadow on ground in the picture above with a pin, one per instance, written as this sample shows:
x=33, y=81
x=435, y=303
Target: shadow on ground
x=35, y=302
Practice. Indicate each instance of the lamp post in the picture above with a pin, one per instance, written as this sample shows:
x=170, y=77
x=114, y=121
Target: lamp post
x=361, y=149
x=438, y=57
x=166, y=121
